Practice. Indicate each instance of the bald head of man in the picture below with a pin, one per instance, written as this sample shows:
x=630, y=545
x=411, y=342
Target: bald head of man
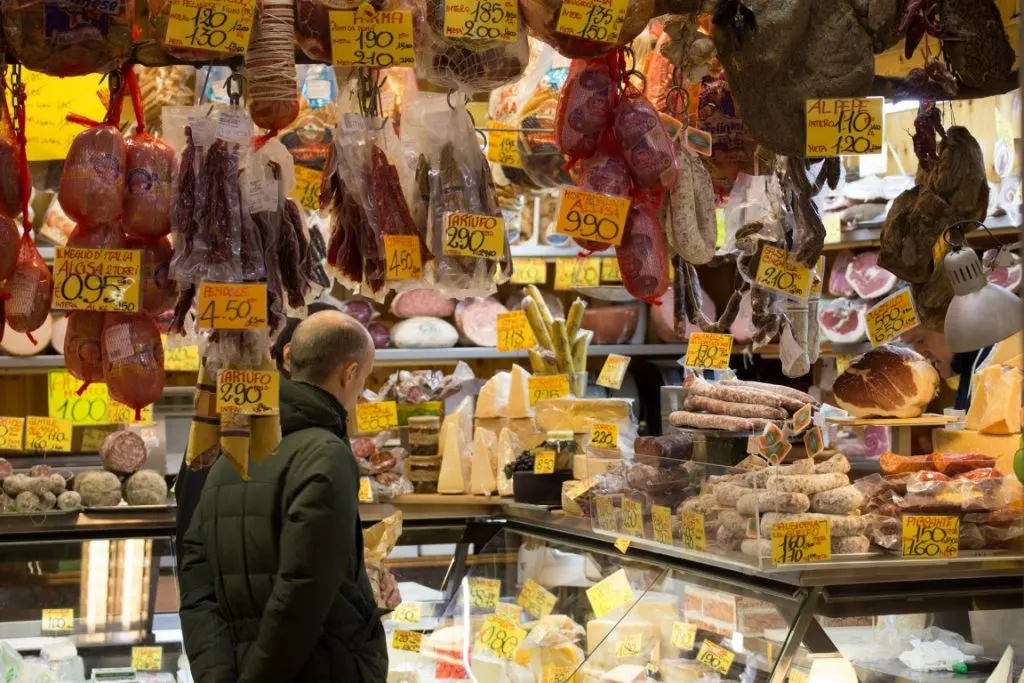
x=334, y=352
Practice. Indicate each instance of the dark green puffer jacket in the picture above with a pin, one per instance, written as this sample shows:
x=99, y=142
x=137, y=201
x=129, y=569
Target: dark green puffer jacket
x=273, y=587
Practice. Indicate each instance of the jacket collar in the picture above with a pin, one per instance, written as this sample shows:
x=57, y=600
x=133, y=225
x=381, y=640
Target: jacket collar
x=305, y=405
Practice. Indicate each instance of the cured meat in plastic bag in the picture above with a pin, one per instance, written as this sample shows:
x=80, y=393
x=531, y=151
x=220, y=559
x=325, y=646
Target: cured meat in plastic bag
x=82, y=346
x=10, y=239
x=158, y=291
x=69, y=41
x=102, y=236
x=92, y=183
x=646, y=144
x=150, y=186
x=605, y=174
x=13, y=193
x=642, y=256
x=133, y=360
x=584, y=106
x=30, y=289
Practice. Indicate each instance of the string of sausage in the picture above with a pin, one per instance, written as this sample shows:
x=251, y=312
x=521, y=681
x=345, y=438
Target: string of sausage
x=713, y=405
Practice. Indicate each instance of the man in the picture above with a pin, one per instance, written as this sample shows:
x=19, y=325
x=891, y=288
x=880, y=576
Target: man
x=273, y=587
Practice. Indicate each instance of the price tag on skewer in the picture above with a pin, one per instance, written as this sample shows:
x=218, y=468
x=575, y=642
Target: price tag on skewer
x=514, y=332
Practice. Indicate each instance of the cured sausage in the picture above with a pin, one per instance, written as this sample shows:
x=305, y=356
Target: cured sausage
x=605, y=174
x=807, y=484
x=11, y=197
x=30, y=288
x=642, y=256
x=270, y=67
x=584, y=107
x=10, y=239
x=698, y=387
x=838, y=501
x=683, y=418
x=694, y=228
x=102, y=236
x=158, y=291
x=713, y=405
x=789, y=392
x=92, y=184
x=149, y=186
x=133, y=359
x=82, y=346
x=765, y=501
x=646, y=145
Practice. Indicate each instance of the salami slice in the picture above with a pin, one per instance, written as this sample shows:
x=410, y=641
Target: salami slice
x=421, y=302
x=477, y=320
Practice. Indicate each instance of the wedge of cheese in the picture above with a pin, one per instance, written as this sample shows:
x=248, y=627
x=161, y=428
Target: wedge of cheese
x=451, y=479
x=482, y=480
x=996, y=401
x=519, y=394
x=508, y=450
x=493, y=398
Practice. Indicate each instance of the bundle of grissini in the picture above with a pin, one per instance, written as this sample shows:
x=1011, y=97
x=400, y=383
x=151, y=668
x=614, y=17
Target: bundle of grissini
x=737, y=405
x=561, y=345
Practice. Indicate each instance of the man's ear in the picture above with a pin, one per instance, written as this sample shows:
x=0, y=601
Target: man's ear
x=286, y=356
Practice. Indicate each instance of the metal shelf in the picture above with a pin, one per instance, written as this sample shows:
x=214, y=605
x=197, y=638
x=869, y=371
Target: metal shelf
x=457, y=353
x=868, y=235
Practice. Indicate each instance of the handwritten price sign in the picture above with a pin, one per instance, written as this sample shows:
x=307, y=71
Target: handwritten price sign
x=706, y=350
x=47, y=434
x=11, y=431
x=605, y=513
x=248, y=392
x=715, y=657
x=613, y=371
x=410, y=641
x=493, y=20
x=604, y=435
x=693, y=531
x=592, y=216
x=529, y=271
x=484, y=593
x=119, y=413
x=501, y=636
x=227, y=306
x=891, y=317
x=307, y=187
x=97, y=279
x=180, y=358
x=536, y=599
x=503, y=146
x=684, y=636
x=571, y=273
x=544, y=463
x=365, y=493
x=794, y=542
x=597, y=20
x=548, y=386
x=514, y=332
x=929, y=536
x=407, y=613
x=845, y=127
x=610, y=271
x=58, y=620
x=365, y=37
x=633, y=517
x=661, y=524
x=149, y=658
x=376, y=417
x=214, y=25
x=474, y=235
x=779, y=273
x=91, y=407
x=610, y=593
x=509, y=611
x=629, y=646
x=402, y=255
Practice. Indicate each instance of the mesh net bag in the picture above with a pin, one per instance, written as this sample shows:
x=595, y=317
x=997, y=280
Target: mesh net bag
x=585, y=106
x=92, y=184
x=158, y=290
x=9, y=241
x=646, y=144
x=643, y=255
x=472, y=64
x=149, y=186
x=541, y=18
x=102, y=236
x=605, y=173
x=13, y=194
x=30, y=289
x=82, y=346
x=133, y=360
x=67, y=41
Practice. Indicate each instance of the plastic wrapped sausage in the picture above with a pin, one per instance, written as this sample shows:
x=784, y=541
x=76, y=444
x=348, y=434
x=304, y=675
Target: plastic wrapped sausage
x=102, y=236
x=158, y=290
x=642, y=256
x=30, y=289
x=133, y=360
x=646, y=145
x=92, y=184
x=149, y=186
x=584, y=107
x=82, y=346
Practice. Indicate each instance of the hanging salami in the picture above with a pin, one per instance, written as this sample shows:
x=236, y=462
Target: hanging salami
x=92, y=183
x=158, y=292
x=585, y=106
x=82, y=341
x=133, y=359
x=642, y=256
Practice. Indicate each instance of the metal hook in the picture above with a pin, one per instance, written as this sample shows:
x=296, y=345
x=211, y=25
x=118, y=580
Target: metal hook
x=954, y=228
x=234, y=85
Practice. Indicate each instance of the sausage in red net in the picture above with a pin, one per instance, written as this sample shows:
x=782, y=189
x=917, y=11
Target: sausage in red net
x=643, y=255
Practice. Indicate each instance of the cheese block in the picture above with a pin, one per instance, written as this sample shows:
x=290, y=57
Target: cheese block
x=519, y=394
x=681, y=671
x=482, y=480
x=601, y=640
x=626, y=673
x=579, y=415
x=451, y=479
x=584, y=466
x=563, y=655
x=493, y=398
x=996, y=399
x=508, y=450
x=486, y=667
x=999, y=446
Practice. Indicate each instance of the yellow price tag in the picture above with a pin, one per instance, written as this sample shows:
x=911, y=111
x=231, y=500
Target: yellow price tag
x=226, y=306
x=844, y=127
x=621, y=544
x=661, y=524
x=604, y=435
x=611, y=593
x=149, y=658
x=410, y=641
x=891, y=317
x=503, y=147
x=557, y=674
x=794, y=542
x=211, y=25
x=65, y=403
x=707, y=350
x=500, y=636
x=529, y=271
x=605, y=513
x=833, y=228
x=488, y=20
x=536, y=599
x=120, y=414
x=818, y=277
x=248, y=392
x=376, y=417
x=544, y=463
x=843, y=361
x=610, y=270
x=693, y=535
x=407, y=613
x=629, y=646
x=574, y=272
x=779, y=273
x=474, y=235
x=365, y=494
x=684, y=636
x=307, y=187
x=92, y=437
x=484, y=593
x=592, y=216
x=402, y=254
x=797, y=676
x=97, y=279
x=11, y=431
x=597, y=20
x=715, y=657
x=365, y=37
x=58, y=620
x=613, y=371
x=180, y=358
x=547, y=386
x=514, y=332
x=53, y=98
x=930, y=536
x=633, y=517
x=47, y=434
x=509, y=611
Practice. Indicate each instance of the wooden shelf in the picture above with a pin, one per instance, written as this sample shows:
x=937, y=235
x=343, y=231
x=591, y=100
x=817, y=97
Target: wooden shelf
x=927, y=420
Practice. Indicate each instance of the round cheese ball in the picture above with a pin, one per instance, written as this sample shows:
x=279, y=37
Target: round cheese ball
x=98, y=488
x=69, y=500
x=146, y=487
x=16, y=483
x=39, y=471
x=57, y=483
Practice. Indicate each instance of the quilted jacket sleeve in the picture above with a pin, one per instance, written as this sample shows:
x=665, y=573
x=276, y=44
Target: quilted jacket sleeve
x=207, y=639
x=317, y=540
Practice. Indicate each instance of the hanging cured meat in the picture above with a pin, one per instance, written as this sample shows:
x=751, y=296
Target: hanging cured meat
x=646, y=145
x=13, y=192
x=270, y=66
x=133, y=360
x=9, y=242
x=642, y=256
x=92, y=184
x=82, y=346
x=30, y=289
x=584, y=107
x=102, y=236
x=158, y=291
x=605, y=174
x=149, y=186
